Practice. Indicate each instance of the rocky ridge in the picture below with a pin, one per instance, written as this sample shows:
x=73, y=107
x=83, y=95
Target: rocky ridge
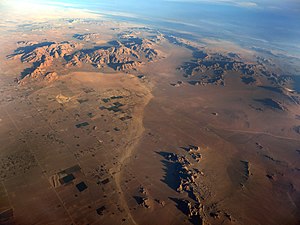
x=41, y=56
x=87, y=36
x=211, y=68
x=188, y=176
x=126, y=54
x=208, y=67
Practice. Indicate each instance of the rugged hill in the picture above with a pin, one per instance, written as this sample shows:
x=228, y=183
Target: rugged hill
x=41, y=56
x=126, y=54
x=132, y=49
x=212, y=68
x=87, y=36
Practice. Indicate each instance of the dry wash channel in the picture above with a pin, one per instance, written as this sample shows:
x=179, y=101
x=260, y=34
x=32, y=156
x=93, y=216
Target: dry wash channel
x=66, y=148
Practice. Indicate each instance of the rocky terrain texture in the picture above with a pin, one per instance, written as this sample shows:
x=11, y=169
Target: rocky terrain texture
x=212, y=68
x=187, y=176
x=127, y=53
x=209, y=66
x=87, y=36
x=82, y=124
x=41, y=56
x=130, y=50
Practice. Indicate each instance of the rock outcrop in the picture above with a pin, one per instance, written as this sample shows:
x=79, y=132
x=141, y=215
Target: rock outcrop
x=87, y=36
x=125, y=54
x=210, y=67
x=193, y=211
x=41, y=56
x=51, y=76
x=186, y=175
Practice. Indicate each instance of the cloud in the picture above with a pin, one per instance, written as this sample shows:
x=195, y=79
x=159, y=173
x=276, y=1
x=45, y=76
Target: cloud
x=247, y=4
x=32, y=10
x=239, y=3
x=291, y=5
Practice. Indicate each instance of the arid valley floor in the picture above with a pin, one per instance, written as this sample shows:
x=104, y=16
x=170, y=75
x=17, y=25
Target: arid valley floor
x=106, y=122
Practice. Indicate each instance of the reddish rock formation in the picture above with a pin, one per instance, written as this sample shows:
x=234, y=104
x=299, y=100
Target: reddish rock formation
x=51, y=76
x=87, y=36
x=125, y=54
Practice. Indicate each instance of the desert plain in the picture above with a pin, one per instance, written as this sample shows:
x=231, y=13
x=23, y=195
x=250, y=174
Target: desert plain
x=106, y=122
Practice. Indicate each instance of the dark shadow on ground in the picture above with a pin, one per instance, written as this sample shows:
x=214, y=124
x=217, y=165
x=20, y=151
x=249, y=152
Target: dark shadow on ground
x=171, y=167
x=182, y=205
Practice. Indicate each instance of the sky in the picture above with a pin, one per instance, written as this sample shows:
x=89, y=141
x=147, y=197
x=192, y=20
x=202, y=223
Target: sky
x=271, y=23
x=279, y=5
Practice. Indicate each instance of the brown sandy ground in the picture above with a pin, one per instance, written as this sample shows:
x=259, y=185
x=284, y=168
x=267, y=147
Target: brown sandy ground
x=94, y=148
x=42, y=140
x=249, y=170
